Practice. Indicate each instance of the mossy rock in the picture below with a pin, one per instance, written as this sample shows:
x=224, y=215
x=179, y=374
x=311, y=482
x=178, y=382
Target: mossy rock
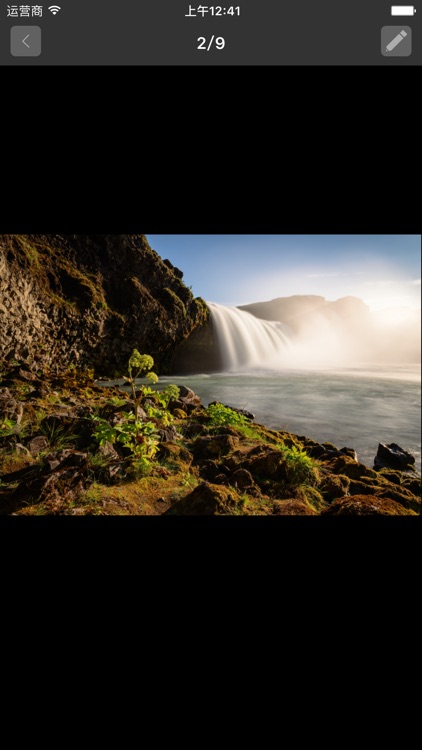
x=333, y=486
x=413, y=484
x=175, y=454
x=179, y=414
x=366, y=505
x=267, y=465
x=312, y=497
x=293, y=508
x=207, y=500
x=403, y=496
x=212, y=446
x=391, y=475
x=348, y=467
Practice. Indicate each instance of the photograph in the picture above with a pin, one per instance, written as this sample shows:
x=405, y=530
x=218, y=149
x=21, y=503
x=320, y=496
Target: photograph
x=210, y=375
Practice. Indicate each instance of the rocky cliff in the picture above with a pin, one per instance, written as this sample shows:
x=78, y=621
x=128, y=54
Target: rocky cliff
x=89, y=300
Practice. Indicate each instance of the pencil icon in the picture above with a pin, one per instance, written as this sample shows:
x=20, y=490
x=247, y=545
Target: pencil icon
x=397, y=39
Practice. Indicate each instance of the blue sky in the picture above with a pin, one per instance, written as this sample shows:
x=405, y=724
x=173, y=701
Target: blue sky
x=383, y=270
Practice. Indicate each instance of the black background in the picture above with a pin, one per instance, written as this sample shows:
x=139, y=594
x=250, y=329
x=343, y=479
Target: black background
x=208, y=150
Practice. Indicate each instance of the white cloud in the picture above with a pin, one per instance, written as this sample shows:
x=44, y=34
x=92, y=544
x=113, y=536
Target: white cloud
x=322, y=275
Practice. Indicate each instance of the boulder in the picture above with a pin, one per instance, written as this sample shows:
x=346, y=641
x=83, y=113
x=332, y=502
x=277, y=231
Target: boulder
x=269, y=465
x=391, y=456
x=212, y=446
x=366, y=505
x=205, y=500
x=334, y=486
x=62, y=480
x=9, y=407
x=188, y=397
x=349, y=467
x=292, y=508
x=38, y=444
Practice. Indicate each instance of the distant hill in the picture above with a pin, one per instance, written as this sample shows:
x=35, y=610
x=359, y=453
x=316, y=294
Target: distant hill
x=299, y=311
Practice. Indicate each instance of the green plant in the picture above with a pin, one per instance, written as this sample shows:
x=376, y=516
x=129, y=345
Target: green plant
x=140, y=437
x=22, y=389
x=300, y=467
x=53, y=398
x=58, y=437
x=161, y=415
x=189, y=480
x=221, y=416
x=138, y=365
x=7, y=428
x=116, y=401
x=170, y=393
x=141, y=467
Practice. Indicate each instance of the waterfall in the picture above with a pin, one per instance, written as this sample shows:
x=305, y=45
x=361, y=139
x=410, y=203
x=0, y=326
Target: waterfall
x=247, y=342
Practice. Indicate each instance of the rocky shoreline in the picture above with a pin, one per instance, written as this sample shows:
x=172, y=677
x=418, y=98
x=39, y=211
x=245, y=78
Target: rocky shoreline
x=185, y=459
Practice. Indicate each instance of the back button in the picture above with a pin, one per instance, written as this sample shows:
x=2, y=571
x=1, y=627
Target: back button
x=25, y=41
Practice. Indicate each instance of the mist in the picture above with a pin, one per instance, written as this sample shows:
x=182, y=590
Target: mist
x=309, y=332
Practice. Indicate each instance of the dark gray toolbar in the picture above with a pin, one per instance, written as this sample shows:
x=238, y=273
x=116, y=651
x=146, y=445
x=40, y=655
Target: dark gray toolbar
x=175, y=32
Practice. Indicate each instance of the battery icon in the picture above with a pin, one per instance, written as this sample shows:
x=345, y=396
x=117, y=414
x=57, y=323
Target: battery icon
x=403, y=10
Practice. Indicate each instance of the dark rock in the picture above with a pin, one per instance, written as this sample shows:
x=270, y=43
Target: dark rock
x=70, y=457
x=38, y=444
x=242, y=479
x=211, y=446
x=175, y=403
x=18, y=476
x=129, y=407
x=270, y=465
x=188, y=397
x=316, y=451
x=210, y=469
x=221, y=479
x=330, y=446
x=115, y=471
x=177, y=272
x=169, y=435
x=350, y=452
x=108, y=452
x=51, y=463
x=333, y=486
x=61, y=484
x=193, y=429
x=174, y=452
x=10, y=408
x=27, y=375
x=393, y=457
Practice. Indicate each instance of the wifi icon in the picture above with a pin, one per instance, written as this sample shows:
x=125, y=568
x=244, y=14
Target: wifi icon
x=54, y=9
